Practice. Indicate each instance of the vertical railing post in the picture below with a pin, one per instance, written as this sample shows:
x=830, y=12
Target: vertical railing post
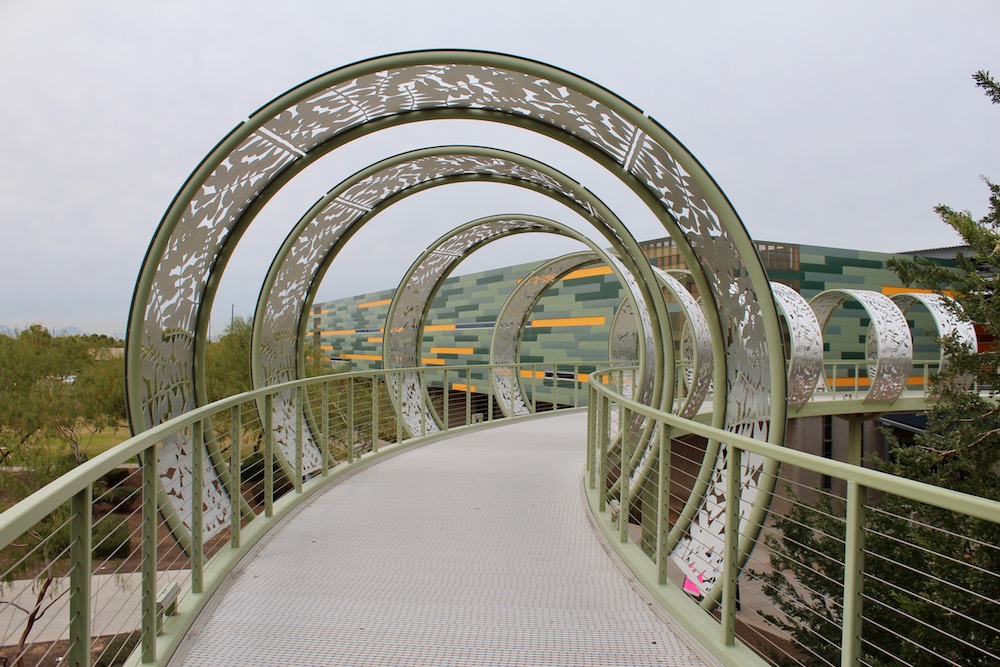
x=576, y=385
x=489, y=402
x=269, y=455
x=300, y=408
x=423, y=405
x=197, y=507
x=604, y=438
x=591, y=444
x=235, y=476
x=399, y=415
x=325, y=437
x=534, y=388
x=350, y=420
x=374, y=386
x=624, y=476
x=663, y=504
x=81, y=554
x=447, y=395
x=468, y=396
x=555, y=387
x=150, y=478
x=730, y=556
x=854, y=575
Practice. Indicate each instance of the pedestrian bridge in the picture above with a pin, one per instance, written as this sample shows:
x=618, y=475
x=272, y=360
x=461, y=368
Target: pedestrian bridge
x=473, y=545
x=494, y=540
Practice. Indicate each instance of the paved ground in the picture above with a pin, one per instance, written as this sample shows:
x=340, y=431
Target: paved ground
x=470, y=551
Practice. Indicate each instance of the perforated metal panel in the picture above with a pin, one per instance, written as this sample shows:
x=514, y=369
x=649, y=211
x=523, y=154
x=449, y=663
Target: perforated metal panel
x=173, y=295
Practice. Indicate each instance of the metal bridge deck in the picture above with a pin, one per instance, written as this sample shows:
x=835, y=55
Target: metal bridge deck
x=475, y=550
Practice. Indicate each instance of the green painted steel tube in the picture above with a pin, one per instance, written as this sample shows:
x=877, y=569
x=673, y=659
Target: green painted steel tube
x=235, y=474
x=150, y=495
x=300, y=397
x=81, y=554
x=197, y=506
x=854, y=575
x=268, y=455
x=325, y=430
x=731, y=556
x=663, y=503
x=952, y=501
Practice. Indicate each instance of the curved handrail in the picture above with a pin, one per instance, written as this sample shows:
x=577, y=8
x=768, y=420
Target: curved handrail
x=651, y=567
x=356, y=418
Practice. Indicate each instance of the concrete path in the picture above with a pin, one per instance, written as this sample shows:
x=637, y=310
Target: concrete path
x=475, y=550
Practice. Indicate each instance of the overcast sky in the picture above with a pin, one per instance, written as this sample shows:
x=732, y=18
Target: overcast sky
x=826, y=123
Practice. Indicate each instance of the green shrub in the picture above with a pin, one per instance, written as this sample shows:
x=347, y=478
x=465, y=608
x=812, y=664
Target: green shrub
x=121, y=498
x=112, y=538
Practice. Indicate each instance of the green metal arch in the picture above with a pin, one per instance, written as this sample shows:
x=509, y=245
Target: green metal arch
x=566, y=191
x=648, y=158
x=527, y=224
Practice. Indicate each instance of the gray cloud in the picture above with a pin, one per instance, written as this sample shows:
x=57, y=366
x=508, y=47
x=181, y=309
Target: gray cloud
x=834, y=123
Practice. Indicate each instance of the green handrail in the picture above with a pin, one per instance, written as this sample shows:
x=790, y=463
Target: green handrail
x=718, y=636
x=162, y=628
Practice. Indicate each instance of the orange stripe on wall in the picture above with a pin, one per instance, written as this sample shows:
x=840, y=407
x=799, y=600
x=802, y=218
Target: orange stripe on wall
x=452, y=350
x=586, y=273
x=890, y=290
x=865, y=382
x=459, y=386
x=364, y=357
x=338, y=332
x=440, y=327
x=570, y=322
x=375, y=339
x=534, y=374
x=373, y=304
x=430, y=361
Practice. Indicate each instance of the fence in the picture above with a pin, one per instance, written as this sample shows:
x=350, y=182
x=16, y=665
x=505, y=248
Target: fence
x=892, y=572
x=95, y=571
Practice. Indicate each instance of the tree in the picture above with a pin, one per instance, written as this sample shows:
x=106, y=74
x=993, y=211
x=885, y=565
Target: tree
x=56, y=393
x=228, y=361
x=931, y=576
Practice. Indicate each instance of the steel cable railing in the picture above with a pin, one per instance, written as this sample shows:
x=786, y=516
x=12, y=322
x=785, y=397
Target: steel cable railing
x=869, y=569
x=95, y=573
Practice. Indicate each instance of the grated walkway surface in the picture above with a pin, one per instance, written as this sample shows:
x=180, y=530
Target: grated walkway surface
x=470, y=551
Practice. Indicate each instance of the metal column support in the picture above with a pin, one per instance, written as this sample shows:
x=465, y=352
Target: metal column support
x=300, y=408
x=854, y=575
x=81, y=538
x=150, y=487
x=235, y=474
x=268, y=456
x=198, y=508
x=730, y=562
x=663, y=504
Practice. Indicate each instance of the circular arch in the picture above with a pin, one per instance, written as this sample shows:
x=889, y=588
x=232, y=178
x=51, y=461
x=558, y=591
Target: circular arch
x=281, y=318
x=805, y=342
x=408, y=311
x=695, y=341
x=891, y=348
x=948, y=318
x=512, y=318
x=172, y=301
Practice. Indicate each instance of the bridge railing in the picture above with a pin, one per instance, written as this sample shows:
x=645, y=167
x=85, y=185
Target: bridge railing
x=95, y=573
x=853, y=378
x=852, y=566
